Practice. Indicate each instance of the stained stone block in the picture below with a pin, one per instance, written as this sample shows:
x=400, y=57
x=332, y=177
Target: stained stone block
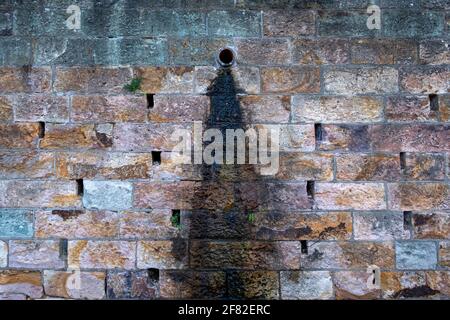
x=109, y=195
x=416, y=255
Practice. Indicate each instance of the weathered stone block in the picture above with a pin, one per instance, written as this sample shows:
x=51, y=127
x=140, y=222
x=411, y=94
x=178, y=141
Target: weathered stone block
x=409, y=138
x=171, y=168
x=246, y=79
x=305, y=166
x=245, y=255
x=3, y=254
x=177, y=23
x=320, y=51
x=87, y=136
x=156, y=224
x=284, y=23
x=107, y=195
x=6, y=108
x=431, y=225
x=306, y=285
x=92, y=80
x=179, y=108
x=166, y=79
x=444, y=254
x=6, y=25
x=357, y=196
x=17, y=282
x=344, y=23
x=416, y=255
x=109, y=109
x=424, y=79
x=41, y=108
x=265, y=109
x=132, y=285
x=353, y=285
x=444, y=107
x=434, y=52
x=237, y=23
x=410, y=24
x=266, y=51
x=35, y=254
x=336, y=109
x=405, y=284
x=162, y=254
x=379, y=226
x=438, y=282
x=361, y=80
x=253, y=285
x=14, y=51
x=383, y=51
x=306, y=226
x=293, y=137
x=20, y=135
x=409, y=108
x=367, y=167
x=192, y=284
x=102, y=254
x=22, y=165
x=70, y=224
x=75, y=284
x=21, y=193
x=348, y=255
x=196, y=51
x=15, y=223
x=290, y=80
x=25, y=80
x=418, y=196
x=93, y=165
x=424, y=166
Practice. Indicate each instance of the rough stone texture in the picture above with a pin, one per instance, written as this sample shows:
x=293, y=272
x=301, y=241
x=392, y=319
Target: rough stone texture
x=25, y=80
x=444, y=254
x=41, y=108
x=183, y=108
x=162, y=254
x=358, y=196
x=16, y=223
x=423, y=196
x=35, y=254
x=3, y=254
x=416, y=255
x=375, y=51
x=425, y=166
x=379, y=226
x=70, y=224
x=282, y=23
x=109, y=195
x=94, y=165
x=152, y=225
x=361, y=80
x=337, y=109
x=431, y=225
x=133, y=284
x=23, y=135
x=263, y=52
x=253, y=284
x=26, y=164
x=77, y=136
x=20, y=193
x=321, y=51
x=246, y=79
x=75, y=284
x=348, y=255
x=424, y=80
x=166, y=80
x=192, y=284
x=367, y=167
x=306, y=285
x=409, y=108
x=16, y=283
x=101, y=254
x=265, y=109
x=353, y=285
x=290, y=80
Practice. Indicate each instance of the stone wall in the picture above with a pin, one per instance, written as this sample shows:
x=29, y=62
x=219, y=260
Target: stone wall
x=92, y=206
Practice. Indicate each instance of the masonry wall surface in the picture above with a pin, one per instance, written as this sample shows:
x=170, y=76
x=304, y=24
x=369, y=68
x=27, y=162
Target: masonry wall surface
x=92, y=206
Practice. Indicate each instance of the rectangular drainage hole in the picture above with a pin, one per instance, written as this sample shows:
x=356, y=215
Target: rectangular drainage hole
x=434, y=102
x=310, y=189
x=63, y=248
x=402, y=161
x=156, y=157
x=153, y=274
x=176, y=218
x=304, y=245
x=80, y=187
x=407, y=219
x=150, y=100
x=318, y=131
x=41, y=130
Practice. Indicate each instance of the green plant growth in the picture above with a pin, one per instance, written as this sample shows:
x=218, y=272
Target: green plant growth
x=134, y=85
x=175, y=219
x=251, y=217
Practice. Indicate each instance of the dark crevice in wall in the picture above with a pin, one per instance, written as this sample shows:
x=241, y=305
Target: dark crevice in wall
x=80, y=187
x=407, y=220
x=402, y=161
x=150, y=100
x=41, y=130
x=434, y=102
x=304, y=246
x=156, y=157
x=310, y=189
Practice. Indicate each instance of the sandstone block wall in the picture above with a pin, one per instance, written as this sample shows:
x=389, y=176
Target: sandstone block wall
x=92, y=206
